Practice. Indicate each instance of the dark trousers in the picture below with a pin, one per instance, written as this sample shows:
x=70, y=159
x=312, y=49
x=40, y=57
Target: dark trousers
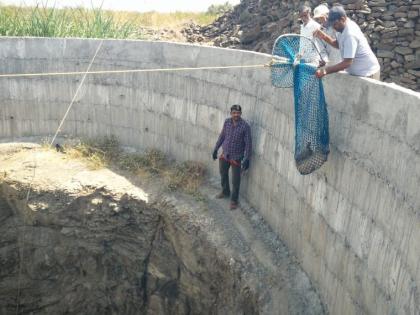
x=236, y=178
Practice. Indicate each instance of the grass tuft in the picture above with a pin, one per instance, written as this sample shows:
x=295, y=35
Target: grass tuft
x=106, y=152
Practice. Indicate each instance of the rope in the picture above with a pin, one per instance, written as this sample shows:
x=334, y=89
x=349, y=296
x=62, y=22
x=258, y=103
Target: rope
x=21, y=75
x=75, y=94
x=22, y=247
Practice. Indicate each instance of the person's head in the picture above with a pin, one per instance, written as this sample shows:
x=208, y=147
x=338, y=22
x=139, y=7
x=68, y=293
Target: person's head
x=236, y=112
x=337, y=18
x=305, y=14
x=321, y=14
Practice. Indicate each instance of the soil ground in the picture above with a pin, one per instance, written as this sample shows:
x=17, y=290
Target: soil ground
x=265, y=263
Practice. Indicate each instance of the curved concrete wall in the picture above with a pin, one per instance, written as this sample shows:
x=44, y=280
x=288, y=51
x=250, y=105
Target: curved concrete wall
x=354, y=224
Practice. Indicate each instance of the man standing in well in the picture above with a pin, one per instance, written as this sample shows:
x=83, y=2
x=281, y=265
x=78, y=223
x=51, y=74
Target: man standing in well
x=236, y=143
x=358, y=57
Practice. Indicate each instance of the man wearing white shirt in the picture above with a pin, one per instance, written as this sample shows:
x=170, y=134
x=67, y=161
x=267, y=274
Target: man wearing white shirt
x=307, y=29
x=358, y=57
x=309, y=26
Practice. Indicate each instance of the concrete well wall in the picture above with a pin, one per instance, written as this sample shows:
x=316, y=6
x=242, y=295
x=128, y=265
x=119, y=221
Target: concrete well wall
x=354, y=224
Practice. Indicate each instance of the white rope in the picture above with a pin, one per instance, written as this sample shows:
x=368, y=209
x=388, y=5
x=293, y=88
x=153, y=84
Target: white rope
x=46, y=74
x=22, y=247
x=75, y=94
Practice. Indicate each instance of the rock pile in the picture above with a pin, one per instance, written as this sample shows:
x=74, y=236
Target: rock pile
x=392, y=29
x=161, y=34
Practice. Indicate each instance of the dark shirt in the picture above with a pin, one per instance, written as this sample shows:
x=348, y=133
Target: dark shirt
x=235, y=140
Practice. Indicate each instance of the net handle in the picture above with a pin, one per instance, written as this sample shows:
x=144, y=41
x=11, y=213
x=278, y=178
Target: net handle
x=277, y=59
x=281, y=59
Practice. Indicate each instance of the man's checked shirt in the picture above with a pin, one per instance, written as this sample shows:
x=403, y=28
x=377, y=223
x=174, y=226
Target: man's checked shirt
x=235, y=140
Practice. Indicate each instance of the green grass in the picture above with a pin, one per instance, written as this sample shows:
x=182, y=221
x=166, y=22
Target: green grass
x=89, y=23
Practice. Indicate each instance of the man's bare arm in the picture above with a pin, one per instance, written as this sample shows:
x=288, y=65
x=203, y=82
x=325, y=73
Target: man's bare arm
x=339, y=66
x=335, y=68
x=326, y=38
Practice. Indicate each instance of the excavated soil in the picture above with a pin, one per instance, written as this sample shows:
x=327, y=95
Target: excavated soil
x=81, y=241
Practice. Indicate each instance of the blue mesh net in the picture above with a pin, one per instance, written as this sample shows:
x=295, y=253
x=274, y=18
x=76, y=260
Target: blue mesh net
x=295, y=62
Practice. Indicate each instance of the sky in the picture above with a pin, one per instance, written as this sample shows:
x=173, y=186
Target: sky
x=130, y=5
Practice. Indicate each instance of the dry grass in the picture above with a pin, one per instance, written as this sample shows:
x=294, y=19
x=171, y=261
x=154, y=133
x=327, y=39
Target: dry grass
x=187, y=176
x=106, y=152
x=165, y=20
x=97, y=154
x=154, y=161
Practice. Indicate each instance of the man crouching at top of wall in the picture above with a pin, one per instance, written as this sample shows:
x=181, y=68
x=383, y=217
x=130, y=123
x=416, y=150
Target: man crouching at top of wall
x=358, y=57
x=235, y=140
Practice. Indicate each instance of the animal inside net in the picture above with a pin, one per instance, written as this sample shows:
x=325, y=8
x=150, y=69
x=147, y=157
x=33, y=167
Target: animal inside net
x=295, y=62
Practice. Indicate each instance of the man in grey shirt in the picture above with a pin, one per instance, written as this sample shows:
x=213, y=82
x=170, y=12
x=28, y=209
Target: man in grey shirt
x=358, y=57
